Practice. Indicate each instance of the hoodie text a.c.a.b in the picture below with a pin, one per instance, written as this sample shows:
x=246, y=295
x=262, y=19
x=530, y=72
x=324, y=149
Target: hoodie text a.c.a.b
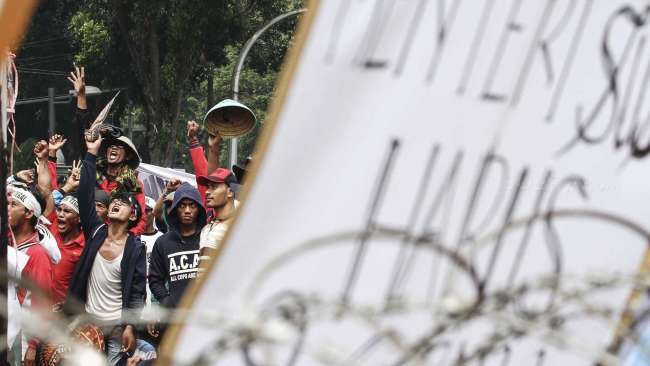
x=175, y=258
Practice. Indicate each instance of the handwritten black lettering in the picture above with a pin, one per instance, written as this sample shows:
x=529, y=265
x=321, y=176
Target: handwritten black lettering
x=512, y=26
x=568, y=64
x=445, y=23
x=375, y=205
x=412, y=31
x=537, y=43
x=377, y=26
x=407, y=246
x=610, y=99
x=507, y=220
x=477, y=41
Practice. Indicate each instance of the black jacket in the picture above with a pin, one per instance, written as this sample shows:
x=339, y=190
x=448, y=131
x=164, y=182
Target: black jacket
x=175, y=259
x=76, y=147
x=133, y=265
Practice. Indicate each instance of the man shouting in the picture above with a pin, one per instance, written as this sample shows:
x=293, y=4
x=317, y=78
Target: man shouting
x=109, y=280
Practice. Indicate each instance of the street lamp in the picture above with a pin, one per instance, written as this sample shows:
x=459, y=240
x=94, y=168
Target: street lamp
x=53, y=99
x=240, y=65
x=90, y=91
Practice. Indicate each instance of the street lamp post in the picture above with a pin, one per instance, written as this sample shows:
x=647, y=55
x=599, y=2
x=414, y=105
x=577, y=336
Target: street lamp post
x=240, y=65
x=50, y=111
x=52, y=99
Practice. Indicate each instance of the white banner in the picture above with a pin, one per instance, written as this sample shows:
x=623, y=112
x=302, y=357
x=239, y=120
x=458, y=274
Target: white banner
x=154, y=177
x=447, y=182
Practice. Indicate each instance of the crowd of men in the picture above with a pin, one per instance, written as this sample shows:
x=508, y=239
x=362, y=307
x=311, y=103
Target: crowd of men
x=96, y=246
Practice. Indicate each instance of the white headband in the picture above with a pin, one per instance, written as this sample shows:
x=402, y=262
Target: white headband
x=28, y=200
x=71, y=202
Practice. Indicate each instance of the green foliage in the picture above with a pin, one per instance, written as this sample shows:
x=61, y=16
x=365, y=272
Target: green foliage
x=24, y=159
x=256, y=91
x=161, y=53
x=92, y=35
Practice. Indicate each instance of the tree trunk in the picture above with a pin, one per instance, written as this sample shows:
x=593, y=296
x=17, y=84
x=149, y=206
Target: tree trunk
x=154, y=96
x=174, y=128
x=146, y=66
x=210, y=87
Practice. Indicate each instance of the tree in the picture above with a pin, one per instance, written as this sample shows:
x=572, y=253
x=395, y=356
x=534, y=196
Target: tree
x=169, y=57
x=171, y=47
x=45, y=53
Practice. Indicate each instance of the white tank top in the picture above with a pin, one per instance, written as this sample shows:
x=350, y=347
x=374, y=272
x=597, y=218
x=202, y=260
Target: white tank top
x=104, y=297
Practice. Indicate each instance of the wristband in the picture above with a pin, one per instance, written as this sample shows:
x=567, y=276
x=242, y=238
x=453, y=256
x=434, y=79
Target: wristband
x=194, y=142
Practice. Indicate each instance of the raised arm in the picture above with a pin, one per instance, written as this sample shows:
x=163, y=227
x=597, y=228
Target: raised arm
x=197, y=154
x=72, y=183
x=78, y=80
x=214, y=152
x=44, y=180
x=203, y=166
x=158, y=208
x=86, y=190
x=54, y=145
x=170, y=186
x=82, y=118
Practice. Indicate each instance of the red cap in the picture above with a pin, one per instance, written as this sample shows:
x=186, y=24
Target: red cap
x=220, y=175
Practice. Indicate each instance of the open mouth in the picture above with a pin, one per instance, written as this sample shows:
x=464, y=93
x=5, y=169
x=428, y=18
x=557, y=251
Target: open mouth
x=115, y=209
x=112, y=155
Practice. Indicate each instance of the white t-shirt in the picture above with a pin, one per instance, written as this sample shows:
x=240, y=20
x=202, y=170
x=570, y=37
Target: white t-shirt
x=104, y=299
x=212, y=234
x=16, y=262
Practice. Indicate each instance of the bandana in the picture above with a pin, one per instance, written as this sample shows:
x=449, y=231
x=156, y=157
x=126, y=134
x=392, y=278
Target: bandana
x=28, y=200
x=72, y=203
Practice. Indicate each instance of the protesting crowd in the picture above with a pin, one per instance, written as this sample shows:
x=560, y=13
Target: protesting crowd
x=93, y=247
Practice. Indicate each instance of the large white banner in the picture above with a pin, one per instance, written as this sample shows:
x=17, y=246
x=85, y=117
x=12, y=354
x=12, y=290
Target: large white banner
x=447, y=182
x=155, y=177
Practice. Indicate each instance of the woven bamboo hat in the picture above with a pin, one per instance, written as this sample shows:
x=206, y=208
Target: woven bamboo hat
x=229, y=118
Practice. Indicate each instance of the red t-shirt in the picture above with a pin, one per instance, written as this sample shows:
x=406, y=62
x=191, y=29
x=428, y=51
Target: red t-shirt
x=38, y=269
x=63, y=271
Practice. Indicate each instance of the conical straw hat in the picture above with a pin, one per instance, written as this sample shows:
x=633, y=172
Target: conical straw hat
x=229, y=118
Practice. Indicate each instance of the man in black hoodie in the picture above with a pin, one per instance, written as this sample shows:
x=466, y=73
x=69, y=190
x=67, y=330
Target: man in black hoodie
x=175, y=256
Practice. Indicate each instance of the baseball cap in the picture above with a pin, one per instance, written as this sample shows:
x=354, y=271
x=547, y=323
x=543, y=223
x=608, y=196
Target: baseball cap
x=219, y=175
